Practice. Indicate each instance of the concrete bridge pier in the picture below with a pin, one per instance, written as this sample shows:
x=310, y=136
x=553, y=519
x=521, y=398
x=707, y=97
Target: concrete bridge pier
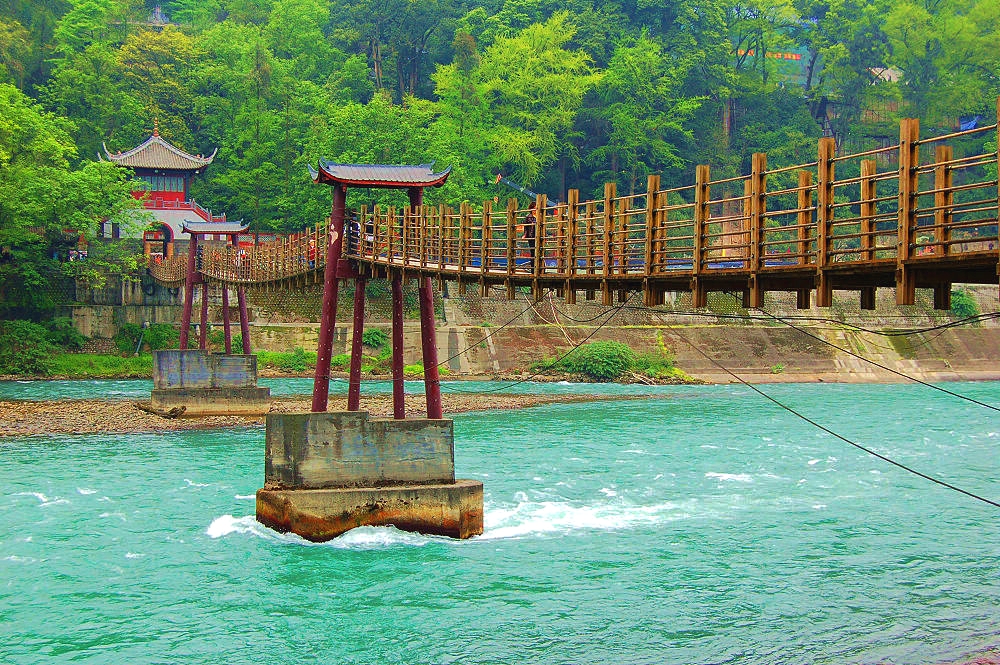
x=207, y=384
x=327, y=473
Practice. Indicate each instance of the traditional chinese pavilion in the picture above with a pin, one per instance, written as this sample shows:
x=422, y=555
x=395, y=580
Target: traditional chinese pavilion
x=163, y=173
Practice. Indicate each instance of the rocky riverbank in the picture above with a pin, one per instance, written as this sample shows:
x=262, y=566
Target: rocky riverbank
x=92, y=416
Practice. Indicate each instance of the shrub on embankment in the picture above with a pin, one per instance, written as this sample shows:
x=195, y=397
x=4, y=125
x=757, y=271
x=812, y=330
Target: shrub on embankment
x=607, y=361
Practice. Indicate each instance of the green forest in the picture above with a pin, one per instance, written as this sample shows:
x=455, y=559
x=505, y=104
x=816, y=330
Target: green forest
x=553, y=95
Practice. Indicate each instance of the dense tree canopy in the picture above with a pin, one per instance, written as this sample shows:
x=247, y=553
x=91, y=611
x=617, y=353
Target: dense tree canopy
x=46, y=203
x=553, y=94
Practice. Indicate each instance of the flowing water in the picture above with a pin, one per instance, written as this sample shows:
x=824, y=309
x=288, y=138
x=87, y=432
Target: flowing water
x=701, y=525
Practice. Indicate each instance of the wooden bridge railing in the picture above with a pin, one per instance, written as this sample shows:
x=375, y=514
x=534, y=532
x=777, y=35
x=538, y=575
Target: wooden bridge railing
x=895, y=206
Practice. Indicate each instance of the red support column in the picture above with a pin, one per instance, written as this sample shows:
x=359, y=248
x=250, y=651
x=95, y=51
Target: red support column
x=354, y=384
x=203, y=329
x=189, y=290
x=241, y=298
x=226, y=328
x=328, y=318
x=398, y=400
x=432, y=381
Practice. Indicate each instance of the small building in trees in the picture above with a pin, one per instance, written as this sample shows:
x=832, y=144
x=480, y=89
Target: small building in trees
x=163, y=174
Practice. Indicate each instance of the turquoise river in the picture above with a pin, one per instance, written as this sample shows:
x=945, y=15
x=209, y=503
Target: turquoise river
x=702, y=524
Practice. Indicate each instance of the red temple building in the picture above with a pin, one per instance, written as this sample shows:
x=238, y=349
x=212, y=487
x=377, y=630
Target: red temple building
x=163, y=173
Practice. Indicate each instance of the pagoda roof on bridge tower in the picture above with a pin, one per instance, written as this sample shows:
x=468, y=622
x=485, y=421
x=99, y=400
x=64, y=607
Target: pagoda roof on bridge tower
x=156, y=153
x=219, y=228
x=378, y=175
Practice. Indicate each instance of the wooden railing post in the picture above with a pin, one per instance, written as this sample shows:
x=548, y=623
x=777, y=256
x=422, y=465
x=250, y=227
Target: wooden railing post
x=652, y=189
x=572, y=228
x=943, y=199
x=591, y=245
x=699, y=298
x=868, y=209
x=445, y=215
x=824, y=219
x=758, y=206
x=610, y=190
x=804, y=218
x=539, y=254
x=486, y=236
x=909, y=160
x=511, y=238
x=464, y=235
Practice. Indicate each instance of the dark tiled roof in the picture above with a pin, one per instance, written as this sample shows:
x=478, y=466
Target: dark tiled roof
x=214, y=227
x=379, y=175
x=155, y=153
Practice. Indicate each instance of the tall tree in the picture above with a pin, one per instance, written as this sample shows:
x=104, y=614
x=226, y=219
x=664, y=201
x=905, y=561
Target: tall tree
x=45, y=205
x=645, y=114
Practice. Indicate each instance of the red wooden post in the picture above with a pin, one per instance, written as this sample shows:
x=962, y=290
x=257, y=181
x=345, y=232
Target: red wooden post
x=432, y=381
x=241, y=298
x=226, y=328
x=203, y=329
x=398, y=399
x=354, y=383
x=328, y=317
x=189, y=290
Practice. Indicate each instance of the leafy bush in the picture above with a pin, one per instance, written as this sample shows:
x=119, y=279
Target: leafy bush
x=127, y=337
x=600, y=361
x=375, y=338
x=413, y=370
x=62, y=333
x=25, y=349
x=963, y=305
x=162, y=336
x=340, y=361
x=296, y=361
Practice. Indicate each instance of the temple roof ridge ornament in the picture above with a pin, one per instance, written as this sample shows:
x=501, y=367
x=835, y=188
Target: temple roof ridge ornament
x=157, y=153
x=378, y=175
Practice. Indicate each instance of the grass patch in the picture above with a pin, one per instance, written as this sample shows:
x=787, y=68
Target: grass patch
x=101, y=366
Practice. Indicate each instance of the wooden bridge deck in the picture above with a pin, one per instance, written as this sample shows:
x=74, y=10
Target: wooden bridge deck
x=881, y=218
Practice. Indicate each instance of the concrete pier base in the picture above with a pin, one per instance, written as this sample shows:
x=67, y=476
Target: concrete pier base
x=454, y=510
x=207, y=384
x=327, y=473
x=214, y=401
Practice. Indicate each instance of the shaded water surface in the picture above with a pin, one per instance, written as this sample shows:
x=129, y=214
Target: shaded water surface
x=704, y=525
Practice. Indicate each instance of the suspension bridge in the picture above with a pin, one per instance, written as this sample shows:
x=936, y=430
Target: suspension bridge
x=922, y=213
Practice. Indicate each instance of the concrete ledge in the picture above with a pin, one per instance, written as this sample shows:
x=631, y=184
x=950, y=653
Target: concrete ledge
x=454, y=510
x=340, y=449
x=214, y=401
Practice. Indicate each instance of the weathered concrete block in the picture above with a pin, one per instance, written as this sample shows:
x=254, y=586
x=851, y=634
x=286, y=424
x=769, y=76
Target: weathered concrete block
x=454, y=509
x=346, y=449
x=234, y=371
x=214, y=401
x=174, y=368
x=194, y=368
